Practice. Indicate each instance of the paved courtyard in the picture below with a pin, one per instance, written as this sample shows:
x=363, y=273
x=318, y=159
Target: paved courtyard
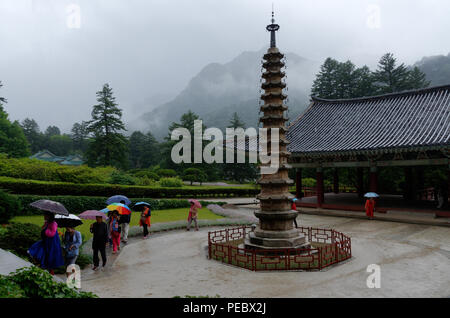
x=414, y=260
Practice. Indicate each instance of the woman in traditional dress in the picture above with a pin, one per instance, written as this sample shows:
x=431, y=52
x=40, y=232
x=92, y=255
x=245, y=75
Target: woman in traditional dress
x=48, y=250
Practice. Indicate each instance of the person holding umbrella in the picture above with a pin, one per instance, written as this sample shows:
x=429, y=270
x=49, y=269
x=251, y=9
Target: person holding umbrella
x=124, y=221
x=72, y=242
x=370, y=204
x=47, y=251
x=145, y=217
x=193, y=213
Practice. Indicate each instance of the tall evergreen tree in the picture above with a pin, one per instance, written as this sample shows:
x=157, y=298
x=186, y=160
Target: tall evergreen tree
x=236, y=122
x=417, y=79
x=325, y=84
x=80, y=135
x=144, y=150
x=390, y=78
x=109, y=146
x=12, y=139
x=52, y=131
x=33, y=134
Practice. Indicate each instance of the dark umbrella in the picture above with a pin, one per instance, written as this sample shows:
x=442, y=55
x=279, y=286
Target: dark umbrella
x=117, y=199
x=50, y=206
x=68, y=221
x=140, y=206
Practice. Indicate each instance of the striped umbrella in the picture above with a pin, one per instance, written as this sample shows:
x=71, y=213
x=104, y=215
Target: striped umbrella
x=122, y=208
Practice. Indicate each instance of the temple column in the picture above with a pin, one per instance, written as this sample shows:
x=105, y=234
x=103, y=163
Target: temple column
x=373, y=179
x=319, y=187
x=408, y=194
x=360, y=181
x=336, y=181
x=298, y=184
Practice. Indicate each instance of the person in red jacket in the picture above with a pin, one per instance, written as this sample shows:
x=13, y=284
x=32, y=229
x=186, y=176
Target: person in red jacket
x=370, y=208
x=294, y=207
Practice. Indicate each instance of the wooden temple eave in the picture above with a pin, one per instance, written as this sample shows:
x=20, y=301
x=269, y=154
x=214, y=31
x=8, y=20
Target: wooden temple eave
x=431, y=157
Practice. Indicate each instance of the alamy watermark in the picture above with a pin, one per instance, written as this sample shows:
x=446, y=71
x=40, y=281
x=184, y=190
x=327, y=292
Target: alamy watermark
x=267, y=146
x=374, y=279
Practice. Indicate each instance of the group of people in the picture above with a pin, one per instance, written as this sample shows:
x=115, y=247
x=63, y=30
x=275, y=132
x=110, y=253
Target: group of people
x=48, y=251
x=113, y=232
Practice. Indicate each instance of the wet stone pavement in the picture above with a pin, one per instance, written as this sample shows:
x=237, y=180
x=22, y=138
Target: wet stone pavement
x=414, y=261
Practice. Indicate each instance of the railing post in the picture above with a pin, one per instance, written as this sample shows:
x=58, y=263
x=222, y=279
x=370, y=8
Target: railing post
x=209, y=245
x=288, y=260
x=229, y=254
x=320, y=258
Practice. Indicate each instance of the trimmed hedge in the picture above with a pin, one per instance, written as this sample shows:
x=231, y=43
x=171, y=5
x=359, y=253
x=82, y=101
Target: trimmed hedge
x=23, y=186
x=78, y=204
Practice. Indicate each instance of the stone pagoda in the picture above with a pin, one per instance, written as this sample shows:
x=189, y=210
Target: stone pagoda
x=276, y=228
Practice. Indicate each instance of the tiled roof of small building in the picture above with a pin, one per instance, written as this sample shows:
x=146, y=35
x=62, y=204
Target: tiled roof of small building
x=413, y=119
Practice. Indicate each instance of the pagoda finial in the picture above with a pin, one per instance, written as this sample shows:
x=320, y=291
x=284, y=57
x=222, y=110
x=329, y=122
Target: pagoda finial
x=272, y=28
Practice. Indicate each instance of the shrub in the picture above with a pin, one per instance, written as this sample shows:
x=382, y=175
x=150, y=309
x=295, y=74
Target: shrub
x=21, y=186
x=19, y=237
x=37, y=283
x=9, y=207
x=166, y=173
x=171, y=182
x=78, y=204
x=194, y=175
x=146, y=174
x=10, y=289
x=34, y=169
x=121, y=178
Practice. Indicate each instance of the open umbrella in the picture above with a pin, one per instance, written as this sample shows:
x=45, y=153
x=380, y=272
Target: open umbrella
x=105, y=210
x=92, y=215
x=371, y=195
x=68, y=221
x=50, y=206
x=196, y=203
x=294, y=199
x=117, y=199
x=122, y=208
x=141, y=205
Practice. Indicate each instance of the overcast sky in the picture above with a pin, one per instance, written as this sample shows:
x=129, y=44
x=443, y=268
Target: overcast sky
x=55, y=54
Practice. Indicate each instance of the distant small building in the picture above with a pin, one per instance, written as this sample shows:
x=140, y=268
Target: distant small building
x=46, y=155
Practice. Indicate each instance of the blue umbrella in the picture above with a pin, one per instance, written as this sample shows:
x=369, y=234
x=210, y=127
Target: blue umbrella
x=371, y=195
x=105, y=210
x=117, y=199
x=140, y=205
x=294, y=199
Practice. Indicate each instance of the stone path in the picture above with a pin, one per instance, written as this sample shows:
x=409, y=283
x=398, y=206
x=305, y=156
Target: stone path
x=414, y=260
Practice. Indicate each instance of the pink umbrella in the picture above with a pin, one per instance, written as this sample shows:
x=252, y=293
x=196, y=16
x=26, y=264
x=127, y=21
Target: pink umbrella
x=196, y=203
x=91, y=215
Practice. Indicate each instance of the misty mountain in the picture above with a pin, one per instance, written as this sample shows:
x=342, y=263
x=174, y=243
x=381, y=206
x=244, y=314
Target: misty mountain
x=436, y=68
x=219, y=90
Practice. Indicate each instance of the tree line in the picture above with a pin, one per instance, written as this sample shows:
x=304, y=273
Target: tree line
x=101, y=140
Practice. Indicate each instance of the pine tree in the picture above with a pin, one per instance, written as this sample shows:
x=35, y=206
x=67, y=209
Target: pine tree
x=33, y=134
x=325, y=84
x=235, y=121
x=109, y=146
x=12, y=138
x=79, y=135
x=390, y=78
x=417, y=79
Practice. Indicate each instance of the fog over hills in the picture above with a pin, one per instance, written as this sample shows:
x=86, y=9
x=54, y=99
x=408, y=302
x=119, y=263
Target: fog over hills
x=219, y=90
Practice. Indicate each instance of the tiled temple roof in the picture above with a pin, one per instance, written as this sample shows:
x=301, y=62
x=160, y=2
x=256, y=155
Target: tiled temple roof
x=408, y=120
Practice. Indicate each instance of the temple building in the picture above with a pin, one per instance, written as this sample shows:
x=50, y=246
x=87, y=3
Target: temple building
x=408, y=130
x=45, y=155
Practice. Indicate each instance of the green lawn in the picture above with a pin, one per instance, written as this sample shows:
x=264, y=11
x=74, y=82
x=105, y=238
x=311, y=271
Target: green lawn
x=158, y=216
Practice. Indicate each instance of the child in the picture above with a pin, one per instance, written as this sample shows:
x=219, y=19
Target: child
x=193, y=212
x=115, y=231
x=100, y=232
x=145, y=221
